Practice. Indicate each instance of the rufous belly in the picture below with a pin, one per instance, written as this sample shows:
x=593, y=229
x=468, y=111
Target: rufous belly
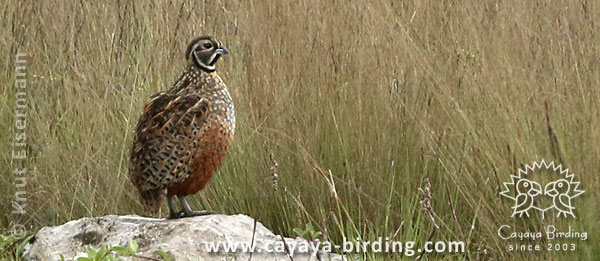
x=214, y=146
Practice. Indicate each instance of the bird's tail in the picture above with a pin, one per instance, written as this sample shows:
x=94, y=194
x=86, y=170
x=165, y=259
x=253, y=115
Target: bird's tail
x=152, y=199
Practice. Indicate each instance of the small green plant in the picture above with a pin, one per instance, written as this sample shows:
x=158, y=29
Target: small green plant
x=130, y=250
x=103, y=253
x=308, y=233
x=164, y=255
x=12, y=246
x=107, y=253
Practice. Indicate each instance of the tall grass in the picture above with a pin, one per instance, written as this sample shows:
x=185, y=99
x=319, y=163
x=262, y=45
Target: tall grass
x=358, y=101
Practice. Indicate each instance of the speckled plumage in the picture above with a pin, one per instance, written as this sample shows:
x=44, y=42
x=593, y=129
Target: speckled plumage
x=184, y=133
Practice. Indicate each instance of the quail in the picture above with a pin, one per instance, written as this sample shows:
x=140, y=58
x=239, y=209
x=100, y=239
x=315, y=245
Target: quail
x=184, y=133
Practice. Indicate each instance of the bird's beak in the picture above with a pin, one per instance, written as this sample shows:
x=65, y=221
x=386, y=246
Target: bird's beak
x=535, y=190
x=222, y=50
x=550, y=190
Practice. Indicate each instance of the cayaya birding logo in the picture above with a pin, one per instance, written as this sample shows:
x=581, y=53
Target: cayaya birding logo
x=527, y=193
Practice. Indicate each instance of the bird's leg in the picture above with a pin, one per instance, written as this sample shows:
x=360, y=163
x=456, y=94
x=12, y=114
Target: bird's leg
x=187, y=210
x=172, y=212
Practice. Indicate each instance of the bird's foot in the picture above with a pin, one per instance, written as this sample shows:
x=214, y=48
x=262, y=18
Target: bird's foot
x=188, y=212
x=176, y=215
x=197, y=213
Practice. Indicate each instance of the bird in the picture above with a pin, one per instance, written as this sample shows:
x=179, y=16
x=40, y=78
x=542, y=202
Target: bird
x=184, y=133
x=527, y=190
x=559, y=191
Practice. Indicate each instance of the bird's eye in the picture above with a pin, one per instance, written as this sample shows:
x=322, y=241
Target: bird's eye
x=526, y=184
x=207, y=45
x=560, y=185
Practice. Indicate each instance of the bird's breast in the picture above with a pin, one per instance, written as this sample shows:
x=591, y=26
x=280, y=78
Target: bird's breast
x=223, y=110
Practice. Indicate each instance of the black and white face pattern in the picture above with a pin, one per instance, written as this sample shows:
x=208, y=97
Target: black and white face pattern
x=204, y=51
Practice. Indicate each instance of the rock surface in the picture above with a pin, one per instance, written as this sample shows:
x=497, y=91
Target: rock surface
x=181, y=239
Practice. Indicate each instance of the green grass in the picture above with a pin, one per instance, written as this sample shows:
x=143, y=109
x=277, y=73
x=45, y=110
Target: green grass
x=360, y=102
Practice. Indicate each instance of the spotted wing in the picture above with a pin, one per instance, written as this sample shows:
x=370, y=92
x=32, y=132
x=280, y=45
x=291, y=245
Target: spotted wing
x=166, y=139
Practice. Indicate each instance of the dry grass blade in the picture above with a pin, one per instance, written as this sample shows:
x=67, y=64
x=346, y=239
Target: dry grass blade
x=427, y=203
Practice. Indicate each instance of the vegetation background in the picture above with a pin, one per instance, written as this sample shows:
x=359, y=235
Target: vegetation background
x=359, y=102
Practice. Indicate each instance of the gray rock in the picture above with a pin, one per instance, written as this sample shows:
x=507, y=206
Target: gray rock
x=182, y=239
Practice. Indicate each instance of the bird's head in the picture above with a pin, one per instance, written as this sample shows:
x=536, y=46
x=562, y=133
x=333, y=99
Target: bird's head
x=204, y=52
x=558, y=187
x=525, y=186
